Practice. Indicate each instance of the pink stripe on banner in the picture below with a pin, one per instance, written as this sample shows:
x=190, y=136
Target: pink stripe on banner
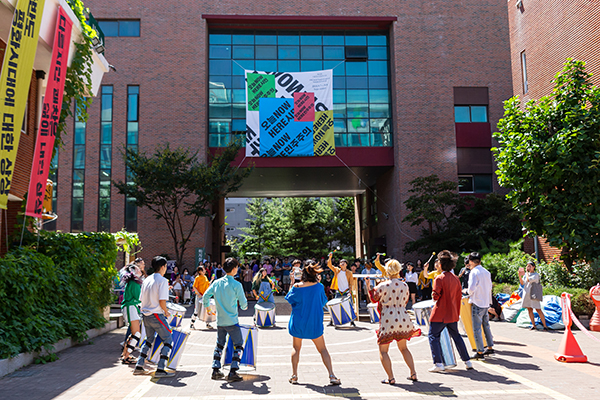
x=53, y=99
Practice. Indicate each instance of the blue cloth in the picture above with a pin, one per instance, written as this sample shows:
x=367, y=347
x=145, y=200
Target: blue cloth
x=266, y=291
x=306, y=321
x=227, y=293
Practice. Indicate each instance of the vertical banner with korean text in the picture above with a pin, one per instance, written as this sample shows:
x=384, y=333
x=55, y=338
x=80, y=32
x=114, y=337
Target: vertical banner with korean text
x=15, y=78
x=50, y=115
x=289, y=114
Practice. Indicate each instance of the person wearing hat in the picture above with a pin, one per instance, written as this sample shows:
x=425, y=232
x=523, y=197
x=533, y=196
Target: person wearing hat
x=527, y=279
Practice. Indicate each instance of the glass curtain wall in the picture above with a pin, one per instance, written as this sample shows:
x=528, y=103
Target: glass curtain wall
x=361, y=88
x=106, y=135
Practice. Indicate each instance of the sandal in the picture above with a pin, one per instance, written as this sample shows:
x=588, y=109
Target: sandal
x=390, y=381
x=333, y=380
x=413, y=378
x=294, y=380
x=129, y=360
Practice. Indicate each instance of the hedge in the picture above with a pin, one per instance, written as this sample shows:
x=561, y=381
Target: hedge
x=54, y=290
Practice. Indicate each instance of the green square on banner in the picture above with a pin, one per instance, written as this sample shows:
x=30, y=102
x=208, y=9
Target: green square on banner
x=259, y=86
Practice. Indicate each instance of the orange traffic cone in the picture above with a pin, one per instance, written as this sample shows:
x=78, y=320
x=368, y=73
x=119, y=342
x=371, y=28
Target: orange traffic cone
x=569, y=350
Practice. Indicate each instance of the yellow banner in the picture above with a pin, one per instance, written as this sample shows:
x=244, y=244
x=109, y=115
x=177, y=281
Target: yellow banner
x=323, y=138
x=15, y=78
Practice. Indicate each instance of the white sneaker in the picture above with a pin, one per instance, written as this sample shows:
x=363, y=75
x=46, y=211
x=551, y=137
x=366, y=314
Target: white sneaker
x=437, y=368
x=468, y=364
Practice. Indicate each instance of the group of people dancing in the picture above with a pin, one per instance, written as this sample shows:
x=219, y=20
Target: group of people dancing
x=389, y=290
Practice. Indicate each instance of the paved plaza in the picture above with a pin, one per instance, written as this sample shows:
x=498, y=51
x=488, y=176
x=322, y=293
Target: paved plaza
x=522, y=368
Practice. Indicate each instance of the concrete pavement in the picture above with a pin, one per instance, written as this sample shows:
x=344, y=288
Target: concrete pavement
x=522, y=368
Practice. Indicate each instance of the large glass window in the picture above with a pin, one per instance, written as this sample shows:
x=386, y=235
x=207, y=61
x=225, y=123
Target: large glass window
x=133, y=112
x=470, y=114
x=124, y=27
x=106, y=122
x=78, y=183
x=362, y=100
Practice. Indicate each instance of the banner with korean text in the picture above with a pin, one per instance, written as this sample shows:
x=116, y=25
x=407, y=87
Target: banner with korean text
x=53, y=98
x=15, y=78
x=289, y=114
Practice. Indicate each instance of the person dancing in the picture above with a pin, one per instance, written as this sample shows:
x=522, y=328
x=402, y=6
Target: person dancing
x=131, y=277
x=343, y=281
x=201, y=283
x=447, y=295
x=307, y=299
x=395, y=323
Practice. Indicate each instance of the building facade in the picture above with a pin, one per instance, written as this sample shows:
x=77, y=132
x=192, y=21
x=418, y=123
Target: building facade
x=418, y=88
x=543, y=34
x=37, y=88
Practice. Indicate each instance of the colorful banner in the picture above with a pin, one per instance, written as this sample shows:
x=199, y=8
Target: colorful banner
x=53, y=98
x=289, y=114
x=15, y=78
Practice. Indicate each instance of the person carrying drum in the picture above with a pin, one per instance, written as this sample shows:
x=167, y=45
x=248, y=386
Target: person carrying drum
x=155, y=293
x=447, y=295
x=131, y=277
x=262, y=287
x=200, y=285
x=343, y=281
x=227, y=293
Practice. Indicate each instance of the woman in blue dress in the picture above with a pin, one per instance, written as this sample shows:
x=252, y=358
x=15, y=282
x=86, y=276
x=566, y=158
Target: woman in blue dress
x=307, y=299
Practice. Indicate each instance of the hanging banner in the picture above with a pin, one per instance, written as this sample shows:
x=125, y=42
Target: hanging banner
x=15, y=78
x=53, y=98
x=289, y=114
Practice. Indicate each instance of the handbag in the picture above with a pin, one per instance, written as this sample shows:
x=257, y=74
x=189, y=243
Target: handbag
x=537, y=291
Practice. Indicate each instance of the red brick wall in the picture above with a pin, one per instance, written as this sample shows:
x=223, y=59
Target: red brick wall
x=550, y=31
x=435, y=46
x=546, y=252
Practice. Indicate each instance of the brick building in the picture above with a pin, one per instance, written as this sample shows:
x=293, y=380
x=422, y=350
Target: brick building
x=418, y=89
x=37, y=87
x=543, y=34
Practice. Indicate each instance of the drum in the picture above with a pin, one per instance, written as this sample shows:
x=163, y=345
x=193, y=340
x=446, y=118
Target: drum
x=264, y=314
x=373, y=313
x=422, y=312
x=177, y=312
x=179, y=340
x=208, y=314
x=249, y=358
x=341, y=310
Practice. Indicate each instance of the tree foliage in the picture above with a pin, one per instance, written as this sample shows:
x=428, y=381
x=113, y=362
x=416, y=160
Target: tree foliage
x=299, y=226
x=180, y=189
x=458, y=223
x=548, y=155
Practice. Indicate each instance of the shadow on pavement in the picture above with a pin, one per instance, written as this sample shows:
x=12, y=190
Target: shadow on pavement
x=509, y=353
x=334, y=391
x=248, y=385
x=482, y=376
x=176, y=380
x=426, y=388
x=513, y=365
x=496, y=342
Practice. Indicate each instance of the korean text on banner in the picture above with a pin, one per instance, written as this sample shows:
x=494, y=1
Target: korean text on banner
x=50, y=115
x=15, y=78
x=289, y=114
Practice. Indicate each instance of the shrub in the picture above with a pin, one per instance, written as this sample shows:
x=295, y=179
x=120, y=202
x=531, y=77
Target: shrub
x=504, y=267
x=55, y=290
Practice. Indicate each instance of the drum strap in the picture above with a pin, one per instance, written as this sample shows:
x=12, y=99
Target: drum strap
x=162, y=323
x=345, y=292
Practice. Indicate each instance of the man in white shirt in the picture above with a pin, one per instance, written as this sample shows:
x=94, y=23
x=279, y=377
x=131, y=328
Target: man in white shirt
x=155, y=293
x=480, y=297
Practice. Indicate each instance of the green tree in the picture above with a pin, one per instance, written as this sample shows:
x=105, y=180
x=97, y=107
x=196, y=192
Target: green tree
x=548, y=154
x=178, y=188
x=458, y=223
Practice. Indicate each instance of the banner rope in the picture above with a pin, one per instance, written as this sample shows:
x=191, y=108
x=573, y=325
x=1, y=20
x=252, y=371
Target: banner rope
x=566, y=305
x=581, y=327
x=378, y=198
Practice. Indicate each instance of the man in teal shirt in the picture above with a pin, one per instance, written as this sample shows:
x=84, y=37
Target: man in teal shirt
x=227, y=293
